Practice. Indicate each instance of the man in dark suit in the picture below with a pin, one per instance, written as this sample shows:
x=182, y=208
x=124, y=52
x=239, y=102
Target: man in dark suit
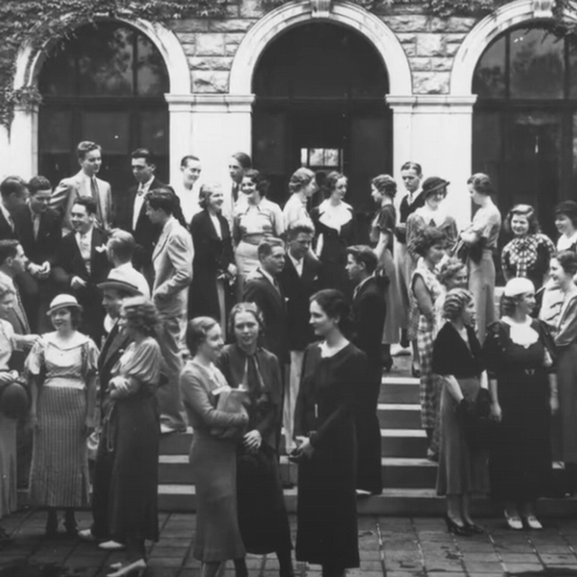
x=131, y=211
x=13, y=194
x=39, y=231
x=81, y=264
x=299, y=281
x=115, y=289
x=369, y=311
x=263, y=289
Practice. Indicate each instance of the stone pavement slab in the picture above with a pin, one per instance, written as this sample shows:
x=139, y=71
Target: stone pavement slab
x=390, y=547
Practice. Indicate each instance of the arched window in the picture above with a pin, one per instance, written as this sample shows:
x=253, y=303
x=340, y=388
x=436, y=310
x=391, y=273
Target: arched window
x=320, y=102
x=525, y=118
x=105, y=83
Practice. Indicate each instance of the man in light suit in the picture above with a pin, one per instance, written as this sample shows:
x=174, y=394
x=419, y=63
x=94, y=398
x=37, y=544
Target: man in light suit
x=85, y=183
x=172, y=261
x=81, y=264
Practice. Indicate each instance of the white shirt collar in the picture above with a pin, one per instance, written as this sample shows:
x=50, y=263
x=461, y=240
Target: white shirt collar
x=5, y=212
x=297, y=263
x=268, y=276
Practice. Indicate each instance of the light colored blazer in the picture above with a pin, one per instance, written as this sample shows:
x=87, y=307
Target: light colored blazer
x=172, y=261
x=69, y=189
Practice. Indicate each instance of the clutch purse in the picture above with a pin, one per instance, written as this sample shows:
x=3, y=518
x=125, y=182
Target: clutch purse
x=229, y=401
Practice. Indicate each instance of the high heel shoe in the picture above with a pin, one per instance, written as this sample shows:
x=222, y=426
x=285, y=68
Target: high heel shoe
x=460, y=530
x=136, y=568
x=474, y=529
x=387, y=364
x=415, y=371
x=532, y=522
x=514, y=522
x=70, y=524
x=51, y=524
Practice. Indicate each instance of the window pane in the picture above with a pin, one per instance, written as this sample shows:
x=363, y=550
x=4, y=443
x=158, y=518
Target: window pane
x=489, y=79
x=537, y=64
x=58, y=75
x=152, y=78
x=109, y=129
x=154, y=130
x=105, y=61
x=56, y=132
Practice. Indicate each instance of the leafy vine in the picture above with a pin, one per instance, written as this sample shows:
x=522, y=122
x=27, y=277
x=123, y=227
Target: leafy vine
x=38, y=21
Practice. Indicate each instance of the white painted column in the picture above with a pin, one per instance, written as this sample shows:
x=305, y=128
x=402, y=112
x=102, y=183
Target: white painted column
x=221, y=126
x=23, y=142
x=180, y=131
x=439, y=136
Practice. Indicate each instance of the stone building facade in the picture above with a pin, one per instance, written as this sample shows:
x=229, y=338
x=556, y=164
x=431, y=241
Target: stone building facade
x=429, y=103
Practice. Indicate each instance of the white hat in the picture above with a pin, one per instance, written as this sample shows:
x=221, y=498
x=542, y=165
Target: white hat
x=62, y=301
x=518, y=286
x=119, y=280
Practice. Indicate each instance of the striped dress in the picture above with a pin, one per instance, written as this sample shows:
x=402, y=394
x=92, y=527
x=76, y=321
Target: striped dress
x=59, y=472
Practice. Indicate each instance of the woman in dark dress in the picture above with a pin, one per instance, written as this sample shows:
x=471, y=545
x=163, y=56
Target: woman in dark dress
x=519, y=351
x=131, y=432
x=327, y=404
x=383, y=191
x=458, y=360
x=334, y=222
x=213, y=268
x=262, y=515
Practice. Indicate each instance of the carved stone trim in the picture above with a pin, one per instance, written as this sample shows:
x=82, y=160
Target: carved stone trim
x=321, y=8
x=543, y=8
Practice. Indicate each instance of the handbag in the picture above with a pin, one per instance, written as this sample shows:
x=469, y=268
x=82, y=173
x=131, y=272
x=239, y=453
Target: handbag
x=480, y=430
x=229, y=401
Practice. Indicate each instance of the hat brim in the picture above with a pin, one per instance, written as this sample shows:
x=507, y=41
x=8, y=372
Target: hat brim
x=119, y=285
x=63, y=306
x=436, y=188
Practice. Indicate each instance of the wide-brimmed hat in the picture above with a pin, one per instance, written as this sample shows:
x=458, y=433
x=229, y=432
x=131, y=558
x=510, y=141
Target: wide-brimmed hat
x=434, y=184
x=119, y=280
x=62, y=301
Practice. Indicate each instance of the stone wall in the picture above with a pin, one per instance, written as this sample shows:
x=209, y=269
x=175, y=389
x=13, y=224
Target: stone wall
x=429, y=42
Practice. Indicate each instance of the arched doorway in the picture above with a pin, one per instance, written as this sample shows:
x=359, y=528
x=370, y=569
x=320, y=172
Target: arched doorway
x=104, y=83
x=525, y=118
x=320, y=101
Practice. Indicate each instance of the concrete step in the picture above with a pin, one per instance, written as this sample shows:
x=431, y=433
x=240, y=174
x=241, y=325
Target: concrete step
x=411, y=443
x=399, y=390
x=394, y=501
x=399, y=415
x=409, y=473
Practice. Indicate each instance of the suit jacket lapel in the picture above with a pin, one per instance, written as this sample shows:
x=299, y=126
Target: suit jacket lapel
x=163, y=239
x=111, y=347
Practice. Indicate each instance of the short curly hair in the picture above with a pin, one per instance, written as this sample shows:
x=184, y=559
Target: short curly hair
x=300, y=178
x=429, y=237
x=332, y=179
x=261, y=182
x=526, y=211
x=385, y=184
x=140, y=314
x=206, y=191
x=567, y=259
x=449, y=269
x=455, y=301
x=196, y=332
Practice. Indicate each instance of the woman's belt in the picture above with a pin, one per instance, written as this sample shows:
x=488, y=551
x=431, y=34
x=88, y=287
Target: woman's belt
x=254, y=239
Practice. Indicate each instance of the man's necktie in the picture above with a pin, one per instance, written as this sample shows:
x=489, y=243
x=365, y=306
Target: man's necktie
x=96, y=196
x=36, y=225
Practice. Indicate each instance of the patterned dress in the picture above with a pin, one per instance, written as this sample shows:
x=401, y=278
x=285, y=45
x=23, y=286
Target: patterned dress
x=59, y=472
x=426, y=331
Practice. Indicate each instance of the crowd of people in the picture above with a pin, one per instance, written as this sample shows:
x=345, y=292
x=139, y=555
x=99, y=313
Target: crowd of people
x=115, y=311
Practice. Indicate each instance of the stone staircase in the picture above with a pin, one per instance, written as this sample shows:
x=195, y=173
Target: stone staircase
x=408, y=477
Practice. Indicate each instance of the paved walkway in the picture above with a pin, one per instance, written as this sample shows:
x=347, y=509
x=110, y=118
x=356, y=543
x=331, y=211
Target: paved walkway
x=390, y=547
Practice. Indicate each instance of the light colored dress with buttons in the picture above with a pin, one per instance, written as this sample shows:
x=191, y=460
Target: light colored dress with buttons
x=251, y=224
x=7, y=431
x=59, y=472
